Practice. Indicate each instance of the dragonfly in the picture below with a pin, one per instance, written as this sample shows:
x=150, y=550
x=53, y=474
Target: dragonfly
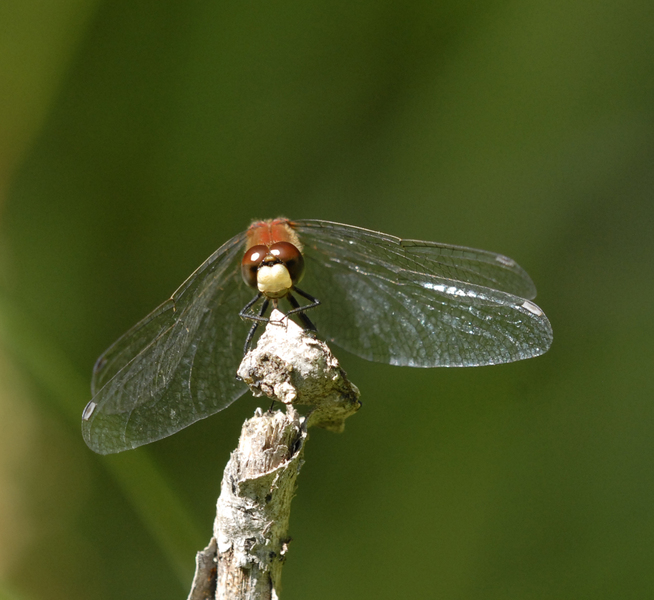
x=386, y=299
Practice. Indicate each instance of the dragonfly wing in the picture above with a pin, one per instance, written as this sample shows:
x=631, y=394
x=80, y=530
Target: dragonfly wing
x=458, y=263
x=384, y=305
x=176, y=366
x=480, y=267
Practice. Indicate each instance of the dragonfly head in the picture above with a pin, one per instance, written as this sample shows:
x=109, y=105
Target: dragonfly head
x=273, y=270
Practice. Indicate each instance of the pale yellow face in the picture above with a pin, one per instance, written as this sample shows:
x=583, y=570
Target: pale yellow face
x=274, y=280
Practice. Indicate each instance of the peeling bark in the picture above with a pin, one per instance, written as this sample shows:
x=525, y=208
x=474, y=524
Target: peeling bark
x=245, y=557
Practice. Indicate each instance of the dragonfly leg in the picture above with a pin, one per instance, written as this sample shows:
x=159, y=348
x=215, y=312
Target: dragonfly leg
x=314, y=301
x=299, y=310
x=256, y=318
x=245, y=311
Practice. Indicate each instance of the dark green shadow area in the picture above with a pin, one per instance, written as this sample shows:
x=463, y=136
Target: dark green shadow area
x=167, y=127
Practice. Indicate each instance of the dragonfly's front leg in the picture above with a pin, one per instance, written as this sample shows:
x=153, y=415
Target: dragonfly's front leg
x=299, y=310
x=258, y=318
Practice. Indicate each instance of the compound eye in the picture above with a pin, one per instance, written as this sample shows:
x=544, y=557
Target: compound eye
x=291, y=257
x=251, y=262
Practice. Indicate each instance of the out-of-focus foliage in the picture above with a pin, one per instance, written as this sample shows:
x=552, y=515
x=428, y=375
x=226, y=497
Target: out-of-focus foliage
x=136, y=137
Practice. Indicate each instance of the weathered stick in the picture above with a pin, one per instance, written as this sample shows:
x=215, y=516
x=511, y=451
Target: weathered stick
x=245, y=556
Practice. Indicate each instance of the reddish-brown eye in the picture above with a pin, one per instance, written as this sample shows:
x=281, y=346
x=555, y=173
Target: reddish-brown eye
x=288, y=254
x=251, y=262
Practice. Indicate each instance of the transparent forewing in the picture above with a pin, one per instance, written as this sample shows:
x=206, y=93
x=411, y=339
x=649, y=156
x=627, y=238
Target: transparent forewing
x=176, y=366
x=480, y=267
x=458, y=263
x=416, y=303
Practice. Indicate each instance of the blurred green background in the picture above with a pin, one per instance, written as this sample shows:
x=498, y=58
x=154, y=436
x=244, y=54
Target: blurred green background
x=136, y=137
